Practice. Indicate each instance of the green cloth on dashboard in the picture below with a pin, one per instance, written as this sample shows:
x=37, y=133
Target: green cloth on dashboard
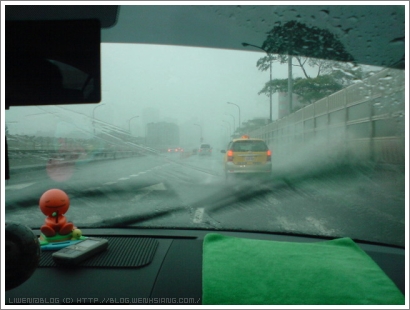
x=239, y=271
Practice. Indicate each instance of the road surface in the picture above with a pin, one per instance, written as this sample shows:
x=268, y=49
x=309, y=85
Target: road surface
x=174, y=192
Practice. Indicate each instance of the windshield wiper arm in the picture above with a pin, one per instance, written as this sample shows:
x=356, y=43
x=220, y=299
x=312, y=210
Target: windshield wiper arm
x=127, y=220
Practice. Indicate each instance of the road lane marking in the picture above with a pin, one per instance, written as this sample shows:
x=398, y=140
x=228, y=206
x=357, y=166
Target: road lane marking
x=18, y=186
x=155, y=187
x=123, y=179
x=147, y=190
x=109, y=183
x=139, y=196
x=94, y=188
x=273, y=200
x=199, y=214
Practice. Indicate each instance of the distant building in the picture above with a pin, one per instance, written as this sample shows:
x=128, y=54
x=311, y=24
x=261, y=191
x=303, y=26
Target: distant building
x=162, y=135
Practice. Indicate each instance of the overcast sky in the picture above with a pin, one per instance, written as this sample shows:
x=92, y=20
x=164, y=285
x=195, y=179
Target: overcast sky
x=192, y=85
x=186, y=85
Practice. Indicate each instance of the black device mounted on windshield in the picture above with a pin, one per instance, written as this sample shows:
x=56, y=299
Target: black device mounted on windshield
x=65, y=68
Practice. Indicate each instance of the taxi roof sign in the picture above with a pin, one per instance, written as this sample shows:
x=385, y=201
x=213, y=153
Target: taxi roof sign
x=245, y=137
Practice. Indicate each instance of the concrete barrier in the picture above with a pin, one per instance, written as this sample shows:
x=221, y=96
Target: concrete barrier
x=361, y=123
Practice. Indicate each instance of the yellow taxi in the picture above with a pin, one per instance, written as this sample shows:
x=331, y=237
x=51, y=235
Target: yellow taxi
x=247, y=157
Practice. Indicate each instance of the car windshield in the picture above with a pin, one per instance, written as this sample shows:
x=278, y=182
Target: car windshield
x=337, y=143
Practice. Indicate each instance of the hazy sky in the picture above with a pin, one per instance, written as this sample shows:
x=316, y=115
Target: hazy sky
x=186, y=85
x=191, y=85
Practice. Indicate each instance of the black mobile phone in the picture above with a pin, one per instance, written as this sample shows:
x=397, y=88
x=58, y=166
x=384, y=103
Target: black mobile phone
x=80, y=251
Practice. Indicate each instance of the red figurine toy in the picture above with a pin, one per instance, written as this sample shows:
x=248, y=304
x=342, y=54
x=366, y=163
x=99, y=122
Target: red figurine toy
x=54, y=203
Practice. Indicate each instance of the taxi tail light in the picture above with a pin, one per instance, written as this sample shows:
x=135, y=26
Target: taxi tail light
x=269, y=155
x=230, y=155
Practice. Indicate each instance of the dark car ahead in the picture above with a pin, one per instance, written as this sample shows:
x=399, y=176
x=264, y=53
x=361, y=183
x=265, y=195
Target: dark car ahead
x=205, y=149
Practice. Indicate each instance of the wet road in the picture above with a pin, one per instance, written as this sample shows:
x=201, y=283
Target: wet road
x=175, y=192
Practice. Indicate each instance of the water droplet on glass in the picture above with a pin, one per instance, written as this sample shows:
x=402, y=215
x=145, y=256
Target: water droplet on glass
x=324, y=12
x=352, y=19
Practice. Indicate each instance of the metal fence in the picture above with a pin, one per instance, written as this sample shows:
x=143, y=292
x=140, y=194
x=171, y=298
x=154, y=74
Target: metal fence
x=363, y=122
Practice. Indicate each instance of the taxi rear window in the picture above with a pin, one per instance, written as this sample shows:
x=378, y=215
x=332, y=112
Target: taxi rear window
x=249, y=145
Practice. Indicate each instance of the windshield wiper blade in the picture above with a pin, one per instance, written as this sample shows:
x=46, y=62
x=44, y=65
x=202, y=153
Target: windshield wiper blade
x=221, y=202
x=124, y=221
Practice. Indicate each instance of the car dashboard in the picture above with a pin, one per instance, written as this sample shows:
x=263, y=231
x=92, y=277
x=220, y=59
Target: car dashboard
x=167, y=272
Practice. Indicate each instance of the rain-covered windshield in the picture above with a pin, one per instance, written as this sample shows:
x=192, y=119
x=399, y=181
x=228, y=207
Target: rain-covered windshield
x=337, y=145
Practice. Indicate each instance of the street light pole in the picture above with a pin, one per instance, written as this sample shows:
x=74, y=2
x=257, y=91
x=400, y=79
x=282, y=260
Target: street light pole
x=270, y=89
x=290, y=84
x=101, y=104
x=129, y=123
x=239, y=109
x=270, y=77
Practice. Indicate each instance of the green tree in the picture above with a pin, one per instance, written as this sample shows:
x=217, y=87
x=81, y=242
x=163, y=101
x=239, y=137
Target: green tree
x=298, y=39
x=249, y=126
x=310, y=47
x=309, y=90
